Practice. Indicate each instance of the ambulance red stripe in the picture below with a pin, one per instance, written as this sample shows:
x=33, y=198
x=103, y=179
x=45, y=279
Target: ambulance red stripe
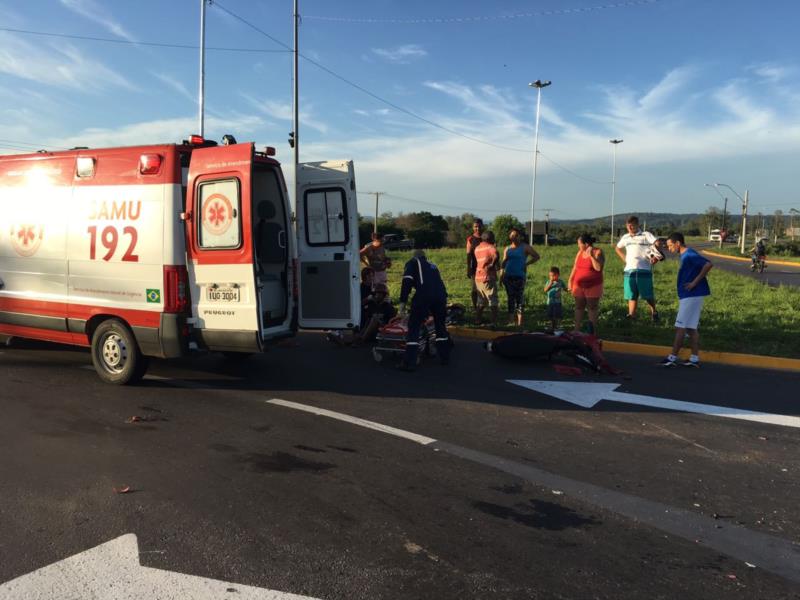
x=135, y=318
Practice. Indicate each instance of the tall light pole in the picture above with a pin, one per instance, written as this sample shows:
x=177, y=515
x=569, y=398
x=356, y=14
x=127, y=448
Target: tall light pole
x=538, y=84
x=201, y=91
x=614, y=144
x=792, y=213
x=295, y=135
x=745, y=202
x=724, y=208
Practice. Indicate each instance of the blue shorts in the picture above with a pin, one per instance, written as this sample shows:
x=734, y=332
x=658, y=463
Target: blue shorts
x=639, y=283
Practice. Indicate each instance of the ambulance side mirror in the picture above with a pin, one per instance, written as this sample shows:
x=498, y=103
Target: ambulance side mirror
x=185, y=216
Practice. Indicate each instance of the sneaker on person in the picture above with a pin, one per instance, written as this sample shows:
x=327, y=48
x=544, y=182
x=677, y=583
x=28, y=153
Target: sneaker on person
x=691, y=363
x=667, y=362
x=655, y=317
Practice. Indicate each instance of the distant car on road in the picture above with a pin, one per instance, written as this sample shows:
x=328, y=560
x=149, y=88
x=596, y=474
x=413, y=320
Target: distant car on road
x=395, y=241
x=715, y=235
x=732, y=238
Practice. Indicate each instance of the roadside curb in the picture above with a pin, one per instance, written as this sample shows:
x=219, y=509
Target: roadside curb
x=783, y=263
x=707, y=356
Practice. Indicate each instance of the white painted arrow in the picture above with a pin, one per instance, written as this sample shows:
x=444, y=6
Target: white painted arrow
x=589, y=394
x=112, y=571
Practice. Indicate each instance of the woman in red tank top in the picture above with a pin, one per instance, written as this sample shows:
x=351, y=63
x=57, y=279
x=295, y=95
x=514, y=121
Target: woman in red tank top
x=586, y=280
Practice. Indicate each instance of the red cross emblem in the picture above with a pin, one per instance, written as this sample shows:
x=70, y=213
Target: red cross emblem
x=217, y=214
x=26, y=239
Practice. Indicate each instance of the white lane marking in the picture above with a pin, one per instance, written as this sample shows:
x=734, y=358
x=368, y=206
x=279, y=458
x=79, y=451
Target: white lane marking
x=112, y=571
x=414, y=437
x=589, y=394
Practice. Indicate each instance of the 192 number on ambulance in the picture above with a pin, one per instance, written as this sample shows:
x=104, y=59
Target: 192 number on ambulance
x=109, y=237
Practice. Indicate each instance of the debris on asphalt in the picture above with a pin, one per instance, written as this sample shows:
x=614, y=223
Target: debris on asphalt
x=558, y=492
x=123, y=489
x=732, y=576
x=144, y=419
x=695, y=504
x=763, y=438
x=511, y=442
x=567, y=370
x=751, y=565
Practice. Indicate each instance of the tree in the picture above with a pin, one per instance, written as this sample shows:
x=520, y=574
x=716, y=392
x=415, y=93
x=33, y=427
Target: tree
x=426, y=229
x=777, y=224
x=502, y=225
x=712, y=218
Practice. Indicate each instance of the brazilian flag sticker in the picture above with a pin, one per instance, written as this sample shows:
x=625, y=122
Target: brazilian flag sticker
x=153, y=296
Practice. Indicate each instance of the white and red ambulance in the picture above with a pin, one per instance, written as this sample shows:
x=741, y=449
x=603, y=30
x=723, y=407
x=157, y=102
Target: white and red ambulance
x=159, y=250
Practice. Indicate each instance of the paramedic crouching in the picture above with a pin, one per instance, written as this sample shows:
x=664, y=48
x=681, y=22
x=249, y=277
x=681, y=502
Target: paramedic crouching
x=430, y=298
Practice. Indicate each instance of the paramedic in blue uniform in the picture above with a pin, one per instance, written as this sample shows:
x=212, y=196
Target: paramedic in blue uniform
x=430, y=298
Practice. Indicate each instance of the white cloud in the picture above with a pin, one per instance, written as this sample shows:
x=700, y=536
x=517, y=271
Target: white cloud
x=96, y=12
x=283, y=112
x=61, y=65
x=156, y=132
x=671, y=120
x=401, y=54
x=176, y=86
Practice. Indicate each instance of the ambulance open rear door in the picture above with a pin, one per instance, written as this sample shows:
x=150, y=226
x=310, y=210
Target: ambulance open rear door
x=223, y=286
x=327, y=246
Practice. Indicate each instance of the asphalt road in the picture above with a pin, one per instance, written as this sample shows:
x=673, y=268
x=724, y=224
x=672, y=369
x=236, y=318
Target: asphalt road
x=520, y=496
x=773, y=275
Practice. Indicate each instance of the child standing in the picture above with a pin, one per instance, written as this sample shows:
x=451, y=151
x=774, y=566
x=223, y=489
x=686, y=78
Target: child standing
x=555, y=311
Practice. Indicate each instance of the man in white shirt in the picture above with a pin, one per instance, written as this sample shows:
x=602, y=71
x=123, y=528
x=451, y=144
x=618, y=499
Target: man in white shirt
x=632, y=250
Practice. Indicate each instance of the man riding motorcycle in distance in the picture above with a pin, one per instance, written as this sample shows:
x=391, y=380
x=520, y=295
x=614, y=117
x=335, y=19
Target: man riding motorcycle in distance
x=758, y=255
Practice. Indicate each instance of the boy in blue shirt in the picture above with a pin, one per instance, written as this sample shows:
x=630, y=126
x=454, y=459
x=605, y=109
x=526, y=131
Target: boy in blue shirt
x=553, y=290
x=692, y=290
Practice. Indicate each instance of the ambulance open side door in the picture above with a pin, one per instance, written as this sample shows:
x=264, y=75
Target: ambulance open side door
x=225, y=299
x=327, y=246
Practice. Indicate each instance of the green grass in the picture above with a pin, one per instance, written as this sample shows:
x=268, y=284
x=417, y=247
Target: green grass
x=741, y=315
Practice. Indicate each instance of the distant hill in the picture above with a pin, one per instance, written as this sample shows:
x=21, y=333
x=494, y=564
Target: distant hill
x=652, y=219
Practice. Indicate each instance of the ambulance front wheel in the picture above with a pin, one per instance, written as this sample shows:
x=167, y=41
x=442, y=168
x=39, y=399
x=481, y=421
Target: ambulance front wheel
x=115, y=353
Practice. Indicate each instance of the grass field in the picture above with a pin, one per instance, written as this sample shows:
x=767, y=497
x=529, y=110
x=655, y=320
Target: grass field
x=741, y=315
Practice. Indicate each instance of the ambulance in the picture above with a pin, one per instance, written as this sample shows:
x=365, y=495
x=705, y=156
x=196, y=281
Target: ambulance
x=158, y=251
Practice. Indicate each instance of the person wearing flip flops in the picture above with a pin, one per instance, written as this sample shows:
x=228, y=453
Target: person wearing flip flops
x=632, y=250
x=692, y=290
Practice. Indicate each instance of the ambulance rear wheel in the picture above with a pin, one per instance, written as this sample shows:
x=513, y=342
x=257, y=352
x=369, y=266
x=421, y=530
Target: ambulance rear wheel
x=115, y=353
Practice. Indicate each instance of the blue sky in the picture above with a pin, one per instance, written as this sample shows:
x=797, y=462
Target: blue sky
x=700, y=90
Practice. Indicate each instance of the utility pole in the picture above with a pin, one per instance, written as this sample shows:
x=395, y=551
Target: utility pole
x=615, y=143
x=201, y=92
x=547, y=226
x=377, y=201
x=295, y=135
x=744, y=219
x=722, y=231
x=538, y=84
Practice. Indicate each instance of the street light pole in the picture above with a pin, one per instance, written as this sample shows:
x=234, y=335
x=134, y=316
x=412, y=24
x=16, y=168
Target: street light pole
x=538, y=84
x=745, y=202
x=792, y=213
x=201, y=91
x=615, y=143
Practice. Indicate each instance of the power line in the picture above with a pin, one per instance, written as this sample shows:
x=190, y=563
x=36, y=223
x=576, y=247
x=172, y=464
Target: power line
x=133, y=43
x=372, y=94
x=573, y=173
x=473, y=19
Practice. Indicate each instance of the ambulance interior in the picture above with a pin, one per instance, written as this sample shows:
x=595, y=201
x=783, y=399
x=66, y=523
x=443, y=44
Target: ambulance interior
x=270, y=226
